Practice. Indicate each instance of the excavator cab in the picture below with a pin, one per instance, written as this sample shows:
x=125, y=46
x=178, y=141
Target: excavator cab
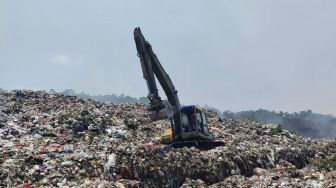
x=194, y=124
x=193, y=121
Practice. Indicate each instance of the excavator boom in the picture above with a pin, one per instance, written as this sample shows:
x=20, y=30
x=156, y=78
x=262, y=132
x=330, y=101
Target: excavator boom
x=150, y=64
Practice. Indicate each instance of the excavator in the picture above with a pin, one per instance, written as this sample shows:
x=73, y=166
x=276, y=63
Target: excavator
x=188, y=123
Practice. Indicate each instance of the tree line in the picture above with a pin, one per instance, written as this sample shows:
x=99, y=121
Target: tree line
x=103, y=98
x=307, y=123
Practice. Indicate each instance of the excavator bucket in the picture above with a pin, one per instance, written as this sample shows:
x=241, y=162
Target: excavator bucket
x=164, y=113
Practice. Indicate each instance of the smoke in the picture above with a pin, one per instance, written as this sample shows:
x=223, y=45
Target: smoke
x=307, y=123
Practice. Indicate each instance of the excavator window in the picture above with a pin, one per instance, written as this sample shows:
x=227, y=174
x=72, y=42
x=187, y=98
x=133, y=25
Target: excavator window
x=199, y=121
x=198, y=117
x=204, y=123
x=184, y=120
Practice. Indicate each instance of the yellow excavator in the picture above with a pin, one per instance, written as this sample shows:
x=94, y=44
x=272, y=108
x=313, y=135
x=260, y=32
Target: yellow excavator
x=188, y=123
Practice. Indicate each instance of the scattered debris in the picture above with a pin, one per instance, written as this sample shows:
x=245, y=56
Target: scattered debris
x=51, y=140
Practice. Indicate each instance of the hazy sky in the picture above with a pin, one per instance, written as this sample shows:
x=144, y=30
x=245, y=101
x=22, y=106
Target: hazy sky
x=231, y=55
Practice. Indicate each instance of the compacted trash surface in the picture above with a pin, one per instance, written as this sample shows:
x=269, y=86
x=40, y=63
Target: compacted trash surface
x=51, y=140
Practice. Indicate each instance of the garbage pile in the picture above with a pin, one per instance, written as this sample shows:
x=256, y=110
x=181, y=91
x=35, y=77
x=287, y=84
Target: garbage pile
x=51, y=140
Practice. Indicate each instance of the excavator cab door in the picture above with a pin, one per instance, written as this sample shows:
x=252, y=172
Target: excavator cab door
x=203, y=122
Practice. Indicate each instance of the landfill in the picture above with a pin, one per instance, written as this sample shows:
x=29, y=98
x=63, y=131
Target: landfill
x=52, y=140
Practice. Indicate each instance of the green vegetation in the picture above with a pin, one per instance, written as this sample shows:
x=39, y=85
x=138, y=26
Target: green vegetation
x=328, y=164
x=277, y=130
x=130, y=123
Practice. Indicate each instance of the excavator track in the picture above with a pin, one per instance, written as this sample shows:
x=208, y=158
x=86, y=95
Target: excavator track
x=200, y=144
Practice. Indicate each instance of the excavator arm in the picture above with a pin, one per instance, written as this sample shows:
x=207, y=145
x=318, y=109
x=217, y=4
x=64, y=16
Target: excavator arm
x=158, y=109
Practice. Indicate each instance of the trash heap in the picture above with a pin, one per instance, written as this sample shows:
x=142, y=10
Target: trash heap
x=50, y=140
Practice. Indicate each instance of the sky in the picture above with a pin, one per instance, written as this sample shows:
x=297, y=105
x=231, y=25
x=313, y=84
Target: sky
x=230, y=55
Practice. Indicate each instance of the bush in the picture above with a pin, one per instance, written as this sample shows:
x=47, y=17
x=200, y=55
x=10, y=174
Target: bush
x=130, y=123
x=328, y=164
x=276, y=130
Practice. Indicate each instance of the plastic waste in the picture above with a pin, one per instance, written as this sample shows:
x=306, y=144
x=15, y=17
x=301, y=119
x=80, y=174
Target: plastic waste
x=67, y=164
